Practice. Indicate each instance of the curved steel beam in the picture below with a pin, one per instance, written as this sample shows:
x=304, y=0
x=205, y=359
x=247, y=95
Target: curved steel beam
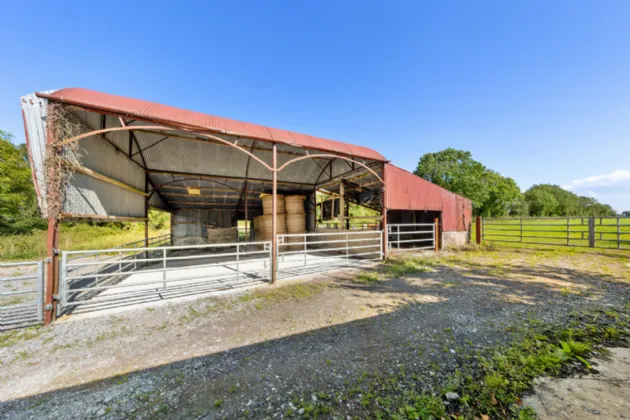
x=329, y=156
x=160, y=128
x=197, y=179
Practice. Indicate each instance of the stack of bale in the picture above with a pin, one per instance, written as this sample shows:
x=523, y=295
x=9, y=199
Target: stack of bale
x=262, y=224
x=291, y=218
x=296, y=219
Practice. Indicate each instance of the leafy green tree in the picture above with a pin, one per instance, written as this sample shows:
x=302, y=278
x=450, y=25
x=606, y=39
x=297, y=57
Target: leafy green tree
x=626, y=213
x=159, y=219
x=18, y=203
x=503, y=195
x=491, y=193
x=541, y=202
x=552, y=200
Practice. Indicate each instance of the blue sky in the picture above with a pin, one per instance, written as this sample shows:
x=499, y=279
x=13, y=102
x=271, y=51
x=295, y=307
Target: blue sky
x=537, y=90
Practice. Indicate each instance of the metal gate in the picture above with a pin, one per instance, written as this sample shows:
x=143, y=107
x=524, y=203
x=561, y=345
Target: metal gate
x=411, y=236
x=21, y=294
x=305, y=253
x=100, y=279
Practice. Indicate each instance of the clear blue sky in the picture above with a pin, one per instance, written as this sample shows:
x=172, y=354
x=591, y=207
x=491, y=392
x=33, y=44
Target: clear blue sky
x=537, y=90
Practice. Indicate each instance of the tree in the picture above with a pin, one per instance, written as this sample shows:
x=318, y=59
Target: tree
x=552, y=200
x=503, y=195
x=18, y=203
x=491, y=193
x=626, y=213
x=541, y=202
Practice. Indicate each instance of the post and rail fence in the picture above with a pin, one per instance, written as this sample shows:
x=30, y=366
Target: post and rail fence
x=611, y=232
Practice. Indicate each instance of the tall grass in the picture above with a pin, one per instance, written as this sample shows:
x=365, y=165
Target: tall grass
x=72, y=238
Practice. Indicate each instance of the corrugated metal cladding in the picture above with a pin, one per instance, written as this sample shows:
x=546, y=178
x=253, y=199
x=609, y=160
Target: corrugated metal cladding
x=193, y=222
x=34, y=111
x=151, y=111
x=86, y=195
x=406, y=191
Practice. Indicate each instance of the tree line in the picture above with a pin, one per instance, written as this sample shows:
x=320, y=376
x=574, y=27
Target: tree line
x=495, y=195
x=492, y=194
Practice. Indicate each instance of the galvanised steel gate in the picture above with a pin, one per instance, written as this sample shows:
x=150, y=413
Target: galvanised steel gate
x=305, y=253
x=411, y=236
x=100, y=279
x=21, y=294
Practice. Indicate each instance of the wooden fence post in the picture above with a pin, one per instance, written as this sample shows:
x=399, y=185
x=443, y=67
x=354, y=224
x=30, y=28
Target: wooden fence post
x=591, y=232
x=478, y=222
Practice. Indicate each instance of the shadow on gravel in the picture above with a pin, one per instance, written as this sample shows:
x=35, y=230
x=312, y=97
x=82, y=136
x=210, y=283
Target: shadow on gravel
x=436, y=313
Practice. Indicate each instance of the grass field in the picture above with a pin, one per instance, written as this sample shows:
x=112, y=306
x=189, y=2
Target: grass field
x=72, y=238
x=609, y=232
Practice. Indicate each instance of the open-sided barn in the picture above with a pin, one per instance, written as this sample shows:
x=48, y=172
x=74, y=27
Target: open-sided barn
x=100, y=156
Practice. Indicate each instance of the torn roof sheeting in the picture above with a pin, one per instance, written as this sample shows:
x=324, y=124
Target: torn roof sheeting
x=172, y=116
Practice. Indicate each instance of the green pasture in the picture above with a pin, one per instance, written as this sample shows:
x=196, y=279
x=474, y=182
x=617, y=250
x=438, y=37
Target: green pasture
x=72, y=238
x=559, y=231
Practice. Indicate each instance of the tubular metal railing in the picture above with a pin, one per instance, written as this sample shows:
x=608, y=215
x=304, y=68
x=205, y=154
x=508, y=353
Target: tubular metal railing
x=21, y=294
x=173, y=269
x=411, y=236
x=349, y=247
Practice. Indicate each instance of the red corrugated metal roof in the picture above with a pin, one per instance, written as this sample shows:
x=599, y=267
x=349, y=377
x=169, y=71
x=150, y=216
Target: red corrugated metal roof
x=406, y=191
x=169, y=115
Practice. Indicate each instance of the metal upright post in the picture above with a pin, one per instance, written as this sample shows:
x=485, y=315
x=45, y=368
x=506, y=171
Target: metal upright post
x=40, y=289
x=384, y=213
x=436, y=234
x=52, y=279
x=237, y=261
x=274, y=209
x=146, y=215
x=342, y=206
x=164, y=267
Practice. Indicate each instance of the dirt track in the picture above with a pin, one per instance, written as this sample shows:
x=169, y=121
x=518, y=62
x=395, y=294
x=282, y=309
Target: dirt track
x=256, y=355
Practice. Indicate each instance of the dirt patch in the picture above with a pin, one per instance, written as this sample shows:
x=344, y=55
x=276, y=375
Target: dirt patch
x=267, y=353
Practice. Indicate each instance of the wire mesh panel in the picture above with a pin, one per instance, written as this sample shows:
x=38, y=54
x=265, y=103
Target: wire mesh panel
x=411, y=236
x=21, y=294
x=305, y=253
x=99, y=279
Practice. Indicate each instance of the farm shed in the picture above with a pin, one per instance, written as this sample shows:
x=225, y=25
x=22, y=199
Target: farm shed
x=411, y=199
x=105, y=157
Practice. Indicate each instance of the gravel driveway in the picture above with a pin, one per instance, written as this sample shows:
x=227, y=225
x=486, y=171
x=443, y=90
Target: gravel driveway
x=263, y=353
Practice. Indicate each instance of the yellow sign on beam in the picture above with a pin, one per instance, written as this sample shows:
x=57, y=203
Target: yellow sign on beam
x=194, y=191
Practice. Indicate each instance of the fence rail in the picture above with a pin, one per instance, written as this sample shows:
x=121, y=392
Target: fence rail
x=172, y=270
x=21, y=294
x=593, y=232
x=411, y=236
x=329, y=249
